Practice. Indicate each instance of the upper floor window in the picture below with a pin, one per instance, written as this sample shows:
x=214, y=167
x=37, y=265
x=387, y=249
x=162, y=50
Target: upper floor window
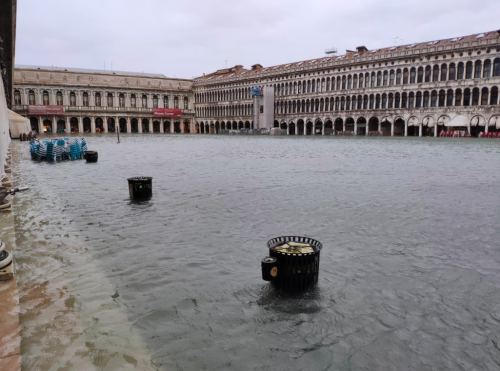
x=444, y=72
x=487, y=68
x=468, y=70
x=373, y=80
x=133, y=101
x=435, y=73
x=110, y=100
x=145, y=101
x=186, y=101
x=379, y=79
x=477, y=71
x=165, y=101
x=428, y=73
x=413, y=75
x=391, y=80
x=460, y=71
x=86, y=99
x=17, y=97
x=59, y=98
x=405, y=76
x=496, y=67
x=31, y=97
x=420, y=77
x=398, y=77
x=45, y=97
x=176, y=102
x=453, y=72
x=155, y=101
x=121, y=100
x=72, y=99
x=98, y=99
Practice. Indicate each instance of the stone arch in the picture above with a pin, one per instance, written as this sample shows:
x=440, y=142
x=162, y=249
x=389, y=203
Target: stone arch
x=413, y=124
x=349, y=124
x=61, y=126
x=338, y=125
x=300, y=127
x=292, y=128
x=328, y=127
x=399, y=126
x=134, y=125
x=145, y=125
x=373, y=124
x=477, y=125
x=99, y=125
x=156, y=126
x=361, y=126
x=385, y=126
x=87, y=128
x=73, y=124
x=122, y=123
x=318, y=127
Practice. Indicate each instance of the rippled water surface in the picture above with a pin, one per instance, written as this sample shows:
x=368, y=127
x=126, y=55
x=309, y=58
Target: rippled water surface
x=409, y=275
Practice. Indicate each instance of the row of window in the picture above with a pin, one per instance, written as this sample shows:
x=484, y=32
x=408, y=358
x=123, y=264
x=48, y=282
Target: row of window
x=443, y=72
x=442, y=98
x=233, y=110
x=98, y=100
x=223, y=96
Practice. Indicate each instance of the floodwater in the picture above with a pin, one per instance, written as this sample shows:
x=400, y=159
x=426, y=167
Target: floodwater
x=409, y=274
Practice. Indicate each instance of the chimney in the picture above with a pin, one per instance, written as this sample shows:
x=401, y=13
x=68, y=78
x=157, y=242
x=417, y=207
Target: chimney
x=361, y=49
x=257, y=67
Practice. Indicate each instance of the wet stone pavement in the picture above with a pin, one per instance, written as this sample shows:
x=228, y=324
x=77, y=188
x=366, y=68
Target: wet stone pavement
x=409, y=272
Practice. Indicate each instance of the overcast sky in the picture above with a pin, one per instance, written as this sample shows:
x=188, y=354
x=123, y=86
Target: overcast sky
x=187, y=38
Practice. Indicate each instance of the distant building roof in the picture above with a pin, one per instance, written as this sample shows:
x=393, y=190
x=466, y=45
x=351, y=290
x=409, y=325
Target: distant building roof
x=85, y=70
x=352, y=56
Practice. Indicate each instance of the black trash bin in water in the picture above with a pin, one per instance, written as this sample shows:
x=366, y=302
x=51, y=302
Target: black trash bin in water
x=294, y=271
x=140, y=187
x=90, y=156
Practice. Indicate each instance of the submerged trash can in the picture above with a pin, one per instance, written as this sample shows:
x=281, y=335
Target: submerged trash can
x=295, y=267
x=90, y=156
x=140, y=187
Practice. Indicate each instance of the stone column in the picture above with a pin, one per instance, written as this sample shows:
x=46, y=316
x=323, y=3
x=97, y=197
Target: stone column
x=40, y=124
x=151, y=125
x=139, y=124
x=92, y=99
x=116, y=99
x=355, y=128
x=379, y=126
x=392, y=129
x=420, y=126
x=129, y=125
x=343, y=125
x=162, y=127
x=67, y=125
x=54, y=124
x=80, y=124
x=181, y=126
x=105, y=124
x=172, y=126
x=436, y=130
x=486, y=127
x=323, y=128
x=406, y=128
x=92, y=124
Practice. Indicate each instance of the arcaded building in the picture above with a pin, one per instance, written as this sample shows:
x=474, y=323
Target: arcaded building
x=417, y=89
x=97, y=101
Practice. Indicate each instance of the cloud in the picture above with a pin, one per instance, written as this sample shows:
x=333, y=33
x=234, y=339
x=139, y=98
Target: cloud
x=187, y=38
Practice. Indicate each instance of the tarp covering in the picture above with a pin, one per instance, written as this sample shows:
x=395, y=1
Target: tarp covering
x=18, y=124
x=459, y=121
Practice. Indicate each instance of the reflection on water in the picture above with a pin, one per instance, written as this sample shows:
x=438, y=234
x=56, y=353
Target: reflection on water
x=408, y=278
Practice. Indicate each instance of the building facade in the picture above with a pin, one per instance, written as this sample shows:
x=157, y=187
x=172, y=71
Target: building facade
x=412, y=89
x=417, y=89
x=96, y=101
